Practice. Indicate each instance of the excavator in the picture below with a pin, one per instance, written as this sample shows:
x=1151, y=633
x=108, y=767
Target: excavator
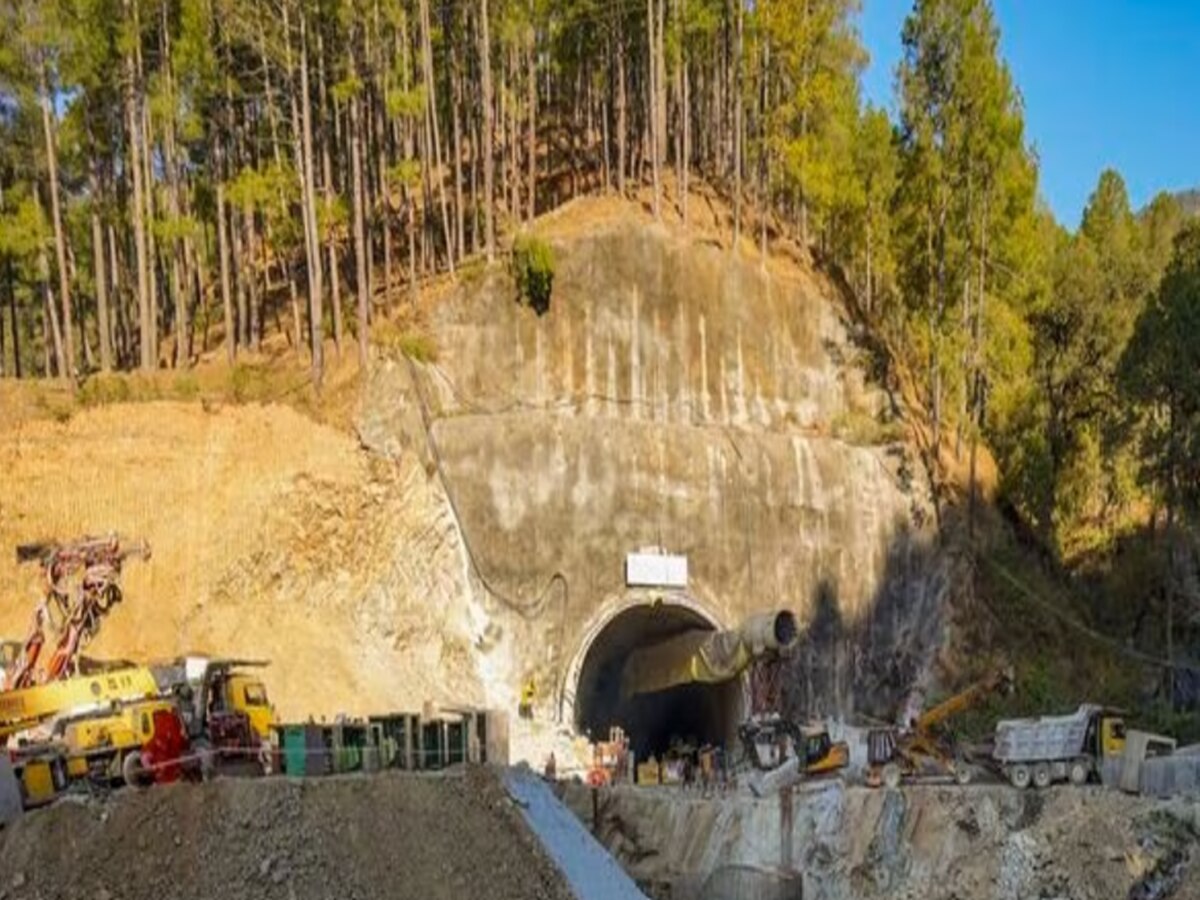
x=914, y=750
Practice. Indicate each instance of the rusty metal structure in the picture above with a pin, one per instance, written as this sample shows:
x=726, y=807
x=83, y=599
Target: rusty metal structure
x=82, y=585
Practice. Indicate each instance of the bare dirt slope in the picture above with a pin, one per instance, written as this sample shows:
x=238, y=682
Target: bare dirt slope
x=273, y=537
x=389, y=836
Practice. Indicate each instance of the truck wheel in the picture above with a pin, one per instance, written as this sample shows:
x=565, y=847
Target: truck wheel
x=962, y=773
x=1041, y=776
x=1078, y=772
x=133, y=772
x=891, y=776
x=1018, y=776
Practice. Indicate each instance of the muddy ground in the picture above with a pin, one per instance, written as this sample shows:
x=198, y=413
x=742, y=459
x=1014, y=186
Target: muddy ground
x=353, y=838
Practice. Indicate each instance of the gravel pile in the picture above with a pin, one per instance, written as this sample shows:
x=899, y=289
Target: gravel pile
x=350, y=838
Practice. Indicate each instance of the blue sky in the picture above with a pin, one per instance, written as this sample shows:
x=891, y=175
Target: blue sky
x=1106, y=83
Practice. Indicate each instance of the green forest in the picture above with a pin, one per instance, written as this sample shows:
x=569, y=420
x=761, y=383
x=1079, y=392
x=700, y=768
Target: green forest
x=183, y=175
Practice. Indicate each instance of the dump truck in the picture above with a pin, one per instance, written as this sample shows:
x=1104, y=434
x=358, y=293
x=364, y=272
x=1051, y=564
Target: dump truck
x=1041, y=751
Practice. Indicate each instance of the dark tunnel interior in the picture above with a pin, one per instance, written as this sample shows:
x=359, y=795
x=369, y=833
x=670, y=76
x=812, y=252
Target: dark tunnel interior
x=696, y=713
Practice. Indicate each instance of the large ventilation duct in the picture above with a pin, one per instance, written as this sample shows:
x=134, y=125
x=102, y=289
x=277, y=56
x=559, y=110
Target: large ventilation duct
x=707, y=657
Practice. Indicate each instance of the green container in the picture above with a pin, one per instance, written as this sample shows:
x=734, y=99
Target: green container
x=294, y=756
x=348, y=740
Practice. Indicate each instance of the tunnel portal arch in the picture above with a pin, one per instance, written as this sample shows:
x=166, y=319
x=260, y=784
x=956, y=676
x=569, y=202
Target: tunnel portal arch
x=694, y=713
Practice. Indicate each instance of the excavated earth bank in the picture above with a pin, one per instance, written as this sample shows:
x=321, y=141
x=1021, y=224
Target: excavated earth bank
x=983, y=842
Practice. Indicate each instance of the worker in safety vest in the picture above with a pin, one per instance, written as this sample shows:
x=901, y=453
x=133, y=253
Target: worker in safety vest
x=528, y=692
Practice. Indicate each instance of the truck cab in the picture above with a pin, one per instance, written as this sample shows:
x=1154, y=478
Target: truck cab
x=1105, y=735
x=243, y=694
x=227, y=712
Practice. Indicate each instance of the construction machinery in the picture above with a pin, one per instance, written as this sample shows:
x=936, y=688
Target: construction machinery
x=134, y=724
x=914, y=750
x=43, y=761
x=128, y=723
x=769, y=741
x=610, y=759
x=227, y=716
x=82, y=585
x=134, y=742
x=1072, y=748
x=23, y=710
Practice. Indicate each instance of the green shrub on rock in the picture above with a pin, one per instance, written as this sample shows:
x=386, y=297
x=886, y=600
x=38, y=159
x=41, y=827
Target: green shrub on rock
x=533, y=270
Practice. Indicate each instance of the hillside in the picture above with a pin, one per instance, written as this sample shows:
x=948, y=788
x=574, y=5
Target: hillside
x=272, y=537
x=468, y=532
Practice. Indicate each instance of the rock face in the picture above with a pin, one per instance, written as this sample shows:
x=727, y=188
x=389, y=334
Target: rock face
x=985, y=842
x=670, y=397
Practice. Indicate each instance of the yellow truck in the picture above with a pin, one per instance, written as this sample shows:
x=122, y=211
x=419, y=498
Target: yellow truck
x=24, y=709
x=135, y=724
x=227, y=715
x=98, y=725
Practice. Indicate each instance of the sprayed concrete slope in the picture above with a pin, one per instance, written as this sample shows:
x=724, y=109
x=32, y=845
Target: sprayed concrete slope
x=672, y=396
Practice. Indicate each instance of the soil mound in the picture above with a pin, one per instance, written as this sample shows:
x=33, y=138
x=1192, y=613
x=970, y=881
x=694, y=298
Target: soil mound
x=388, y=836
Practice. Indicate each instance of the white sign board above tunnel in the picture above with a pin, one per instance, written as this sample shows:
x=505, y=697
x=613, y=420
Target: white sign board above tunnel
x=656, y=570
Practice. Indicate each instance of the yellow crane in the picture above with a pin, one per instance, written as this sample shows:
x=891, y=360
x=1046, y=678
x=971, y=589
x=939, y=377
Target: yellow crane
x=26, y=708
x=894, y=754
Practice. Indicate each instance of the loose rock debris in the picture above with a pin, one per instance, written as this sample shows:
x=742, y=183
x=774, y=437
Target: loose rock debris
x=393, y=835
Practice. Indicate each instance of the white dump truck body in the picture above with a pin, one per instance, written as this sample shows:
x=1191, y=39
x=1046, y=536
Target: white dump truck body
x=1046, y=738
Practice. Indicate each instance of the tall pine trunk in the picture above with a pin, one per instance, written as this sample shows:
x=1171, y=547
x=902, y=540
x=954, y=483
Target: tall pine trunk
x=98, y=256
x=620, y=102
x=652, y=103
x=531, y=111
x=15, y=330
x=66, y=353
x=136, y=172
x=738, y=137
x=360, y=247
x=489, y=150
x=434, y=136
x=311, y=248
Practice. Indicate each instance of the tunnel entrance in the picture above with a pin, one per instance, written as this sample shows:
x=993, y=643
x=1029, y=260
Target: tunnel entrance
x=696, y=713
